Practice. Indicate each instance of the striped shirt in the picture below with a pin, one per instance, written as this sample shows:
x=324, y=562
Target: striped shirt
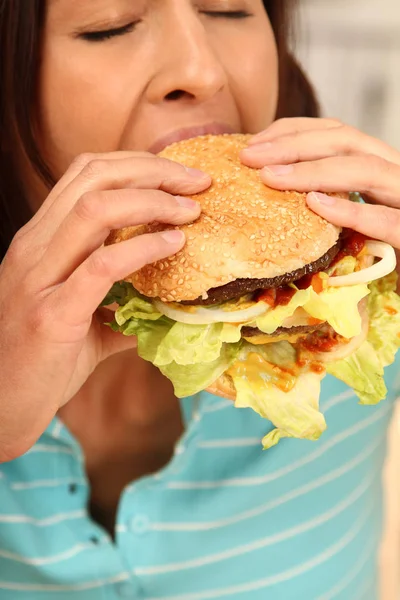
x=223, y=519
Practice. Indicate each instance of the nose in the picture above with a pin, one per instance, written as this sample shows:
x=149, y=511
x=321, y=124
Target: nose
x=187, y=64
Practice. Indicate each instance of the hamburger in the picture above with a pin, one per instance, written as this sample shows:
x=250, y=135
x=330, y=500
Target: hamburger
x=264, y=300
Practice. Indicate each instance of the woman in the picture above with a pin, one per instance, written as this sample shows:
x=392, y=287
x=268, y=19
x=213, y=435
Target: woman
x=109, y=487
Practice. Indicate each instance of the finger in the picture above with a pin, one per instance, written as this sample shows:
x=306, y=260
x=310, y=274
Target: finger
x=96, y=214
x=76, y=167
x=365, y=174
x=378, y=222
x=293, y=125
x=78, y=298
x=111, y=341
x=314, y=145
x=138, y=172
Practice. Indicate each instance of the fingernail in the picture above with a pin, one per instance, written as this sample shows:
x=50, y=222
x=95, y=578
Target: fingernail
x=185, y=202
x=173, y=236
x=322, y=198
x=196, y=173
x=261, y=147
x=278, y=169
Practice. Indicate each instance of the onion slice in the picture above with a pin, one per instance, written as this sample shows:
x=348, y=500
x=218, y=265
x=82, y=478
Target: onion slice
x=205, y=316
x=346, y=349
x=386, y=265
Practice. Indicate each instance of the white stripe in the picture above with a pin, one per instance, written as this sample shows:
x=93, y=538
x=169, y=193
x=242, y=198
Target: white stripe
x=29, y=485
x=339, y=399
x=218, y=406
x=240, y=442
x=50, y=560
x=370, y=583
x=309, y=458
x=59, y=518
x=49, y=587
x=57, y=429
x=279, y=577
x=51, y=449
x=230, y=443
x=263, y=542
x=356, y=570
x=292, y=495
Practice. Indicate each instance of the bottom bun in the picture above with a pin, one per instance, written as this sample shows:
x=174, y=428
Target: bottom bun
x=223, y=387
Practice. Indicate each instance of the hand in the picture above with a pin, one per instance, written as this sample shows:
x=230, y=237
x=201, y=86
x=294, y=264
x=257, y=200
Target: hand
x=57, y=271
x=324, y=155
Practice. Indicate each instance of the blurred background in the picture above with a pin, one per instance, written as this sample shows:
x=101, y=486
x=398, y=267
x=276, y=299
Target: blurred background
x=351, y=52
x=351, y=49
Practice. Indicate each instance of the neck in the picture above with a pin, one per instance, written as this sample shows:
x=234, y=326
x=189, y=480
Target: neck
x=125, y=388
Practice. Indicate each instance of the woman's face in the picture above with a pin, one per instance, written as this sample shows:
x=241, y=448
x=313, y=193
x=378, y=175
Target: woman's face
x=138, y=74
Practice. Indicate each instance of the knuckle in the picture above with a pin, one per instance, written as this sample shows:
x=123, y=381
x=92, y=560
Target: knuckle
x=89, y=207
x=375, y=167
x=94, y=168
x=82, y=160
x=100, y=265
x=39, y=320
x=19, y=247
x=388, y=219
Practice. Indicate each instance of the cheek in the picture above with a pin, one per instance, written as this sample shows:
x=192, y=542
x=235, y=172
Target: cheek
x=253, y=68
x=77, y=110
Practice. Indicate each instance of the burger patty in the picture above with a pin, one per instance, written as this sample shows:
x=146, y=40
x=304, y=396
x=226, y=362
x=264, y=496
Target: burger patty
x=249, y=332
x=240, y=287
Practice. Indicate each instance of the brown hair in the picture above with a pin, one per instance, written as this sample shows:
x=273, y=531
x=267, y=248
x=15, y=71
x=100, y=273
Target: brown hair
x=20, y=32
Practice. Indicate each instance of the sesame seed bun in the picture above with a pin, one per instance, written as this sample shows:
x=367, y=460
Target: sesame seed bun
x=245, y=230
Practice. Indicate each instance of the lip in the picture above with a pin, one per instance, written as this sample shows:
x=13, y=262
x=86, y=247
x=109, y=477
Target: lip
x=189, y=132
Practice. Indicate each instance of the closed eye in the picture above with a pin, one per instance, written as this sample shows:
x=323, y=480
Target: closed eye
x=236, y=14
x=106, y=34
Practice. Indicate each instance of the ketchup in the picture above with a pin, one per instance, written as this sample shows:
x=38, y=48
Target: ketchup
x=284, y=295
x=353, y=245
x=320, y=341
x=280, y=296
x=311, y=280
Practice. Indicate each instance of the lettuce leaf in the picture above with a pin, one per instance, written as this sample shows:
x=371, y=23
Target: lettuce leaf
x=363, y=370
x=191, y=379
x=274, y=318
x=272, y=384
x=295, y=411
x=384, y=311
x=191, y=356
x=339, y=307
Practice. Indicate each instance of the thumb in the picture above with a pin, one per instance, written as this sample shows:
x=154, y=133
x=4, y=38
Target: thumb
x=112, y=342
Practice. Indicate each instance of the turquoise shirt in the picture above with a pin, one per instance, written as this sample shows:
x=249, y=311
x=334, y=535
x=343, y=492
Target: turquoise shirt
x=224, y=519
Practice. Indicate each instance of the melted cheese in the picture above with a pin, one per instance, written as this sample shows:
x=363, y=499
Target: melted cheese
x=265, y=338
x=254, y=369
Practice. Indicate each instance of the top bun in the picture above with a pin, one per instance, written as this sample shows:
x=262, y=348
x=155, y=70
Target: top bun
x=245, y=230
